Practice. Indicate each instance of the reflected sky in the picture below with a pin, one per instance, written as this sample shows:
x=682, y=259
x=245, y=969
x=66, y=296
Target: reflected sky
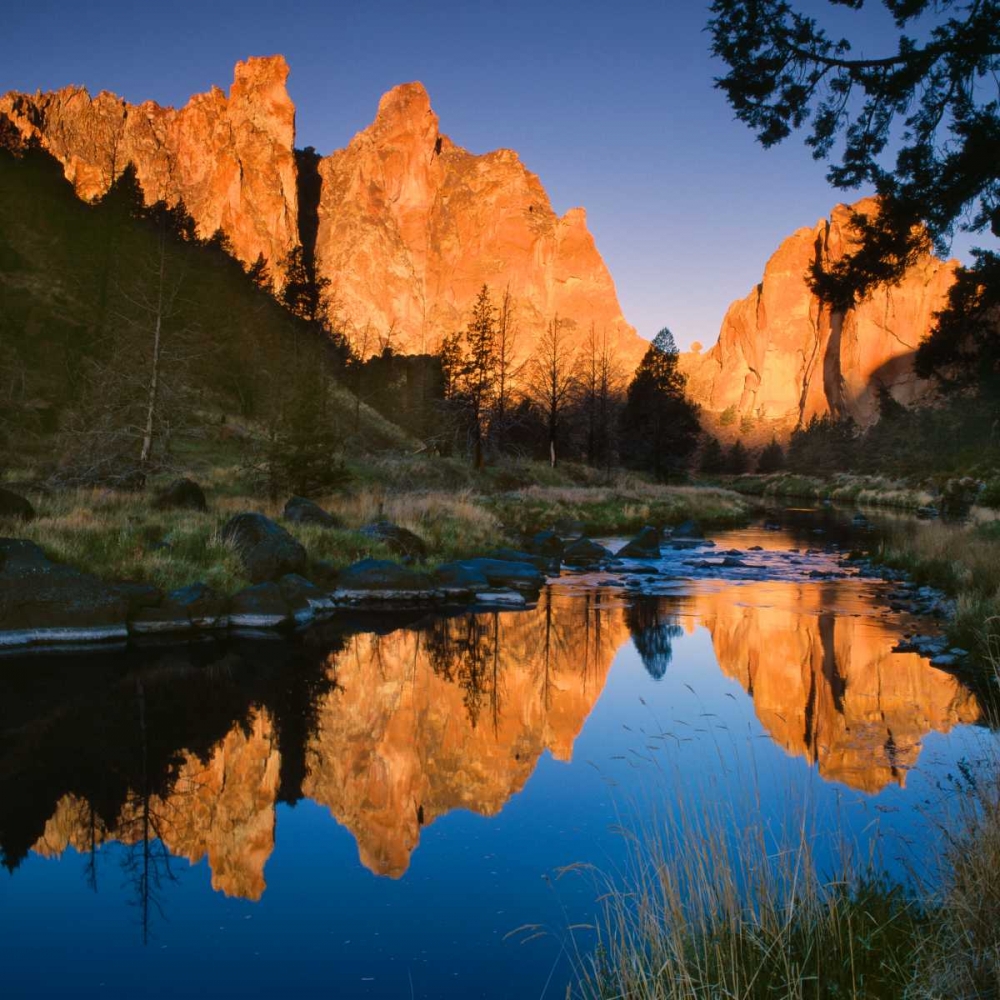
x=370, y=809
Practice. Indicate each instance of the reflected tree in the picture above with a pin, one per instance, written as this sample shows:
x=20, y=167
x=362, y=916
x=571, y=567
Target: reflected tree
x=653, y=632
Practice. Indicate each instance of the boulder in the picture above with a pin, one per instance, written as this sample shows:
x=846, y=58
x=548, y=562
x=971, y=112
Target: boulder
x=543, y=563
x=13, y=505
x=181, y=494
x=645, y=545
x=261, y=606
x=266, y=550
x=507, y=575
x=204, y=607
x=382, y=574
x=402, y=541
x=688, y=529
x=44, y=602
x=585, y=552
x=299, y=510
x=546, y=544
x=461, y=578
x=302, y=594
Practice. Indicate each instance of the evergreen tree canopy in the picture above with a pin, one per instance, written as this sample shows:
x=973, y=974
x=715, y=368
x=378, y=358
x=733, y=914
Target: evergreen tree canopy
x=659, y=424
x=772, y=458
x=932, y=101
x=712, y=458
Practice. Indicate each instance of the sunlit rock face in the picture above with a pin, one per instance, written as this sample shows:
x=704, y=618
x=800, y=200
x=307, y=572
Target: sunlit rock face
x=411, y=226
x=424, y=723
x=827, y=686
x=783, y=356
x=222, y=808
x=230, y=160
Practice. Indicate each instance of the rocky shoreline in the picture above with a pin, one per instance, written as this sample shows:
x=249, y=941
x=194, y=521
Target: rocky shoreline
x=46, y=605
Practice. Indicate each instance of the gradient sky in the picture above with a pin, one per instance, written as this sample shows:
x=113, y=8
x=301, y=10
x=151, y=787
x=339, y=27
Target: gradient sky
x=611, y=104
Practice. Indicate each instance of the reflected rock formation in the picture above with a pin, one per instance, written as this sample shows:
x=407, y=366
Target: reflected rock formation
x=391, y=731
x=222, y=809
x=411, y=725
x=455, y=717
x=826, y=685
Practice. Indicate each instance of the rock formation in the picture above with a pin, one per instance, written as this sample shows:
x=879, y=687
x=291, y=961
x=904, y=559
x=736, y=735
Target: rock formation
x=783, y=356
x=230, y=160
x=410, y=226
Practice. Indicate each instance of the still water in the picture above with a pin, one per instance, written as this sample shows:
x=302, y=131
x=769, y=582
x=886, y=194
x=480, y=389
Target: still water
x=381, y=809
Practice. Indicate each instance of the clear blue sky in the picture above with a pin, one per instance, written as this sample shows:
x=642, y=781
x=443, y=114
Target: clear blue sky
x=612, y=104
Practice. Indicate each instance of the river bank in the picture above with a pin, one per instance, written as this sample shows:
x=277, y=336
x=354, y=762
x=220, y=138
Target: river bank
x=179, y=557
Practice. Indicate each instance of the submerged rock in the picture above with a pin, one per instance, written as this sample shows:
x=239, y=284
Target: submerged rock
x=585, y=552
x=645, y=545
x=505, y=574
x=265, y=549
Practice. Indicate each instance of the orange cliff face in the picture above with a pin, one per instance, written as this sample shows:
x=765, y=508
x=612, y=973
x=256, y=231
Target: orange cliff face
x=827, y=686
x=411, y=226
x=230, y=160
x=783, y=356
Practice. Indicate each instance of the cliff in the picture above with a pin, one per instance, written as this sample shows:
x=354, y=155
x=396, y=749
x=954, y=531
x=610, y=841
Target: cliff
x=230, y=160
x=405, y=225
x=783, y=356
x=411, y=226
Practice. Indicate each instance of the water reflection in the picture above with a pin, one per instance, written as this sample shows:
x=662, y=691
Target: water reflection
x=391, y=730
x=825, y=682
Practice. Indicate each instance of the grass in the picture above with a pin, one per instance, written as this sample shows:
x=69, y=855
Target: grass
x=876, y=491
x=961, y=559
x=624, y=508
x=457, y=511
x=712, y=902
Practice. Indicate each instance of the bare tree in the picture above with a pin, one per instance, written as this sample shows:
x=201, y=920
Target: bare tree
x=602, y=386
x=553, y=379
x=506, y=372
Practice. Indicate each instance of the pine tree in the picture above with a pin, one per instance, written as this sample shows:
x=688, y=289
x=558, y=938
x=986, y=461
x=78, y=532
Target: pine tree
x=659, y=424
x=772, y=458
x=712, y=458
x=737, y=459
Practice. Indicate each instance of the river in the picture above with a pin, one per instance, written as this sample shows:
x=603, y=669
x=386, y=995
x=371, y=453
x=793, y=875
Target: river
x=385, y=808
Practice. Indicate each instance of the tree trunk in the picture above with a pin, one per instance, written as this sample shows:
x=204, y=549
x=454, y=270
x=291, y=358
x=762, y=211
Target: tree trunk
x=154, y=380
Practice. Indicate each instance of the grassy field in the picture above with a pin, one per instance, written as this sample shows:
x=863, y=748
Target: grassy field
x=455, y=510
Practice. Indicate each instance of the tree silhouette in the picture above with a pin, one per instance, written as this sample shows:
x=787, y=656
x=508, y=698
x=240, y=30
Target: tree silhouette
x=659, y=425
x=787, y=72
